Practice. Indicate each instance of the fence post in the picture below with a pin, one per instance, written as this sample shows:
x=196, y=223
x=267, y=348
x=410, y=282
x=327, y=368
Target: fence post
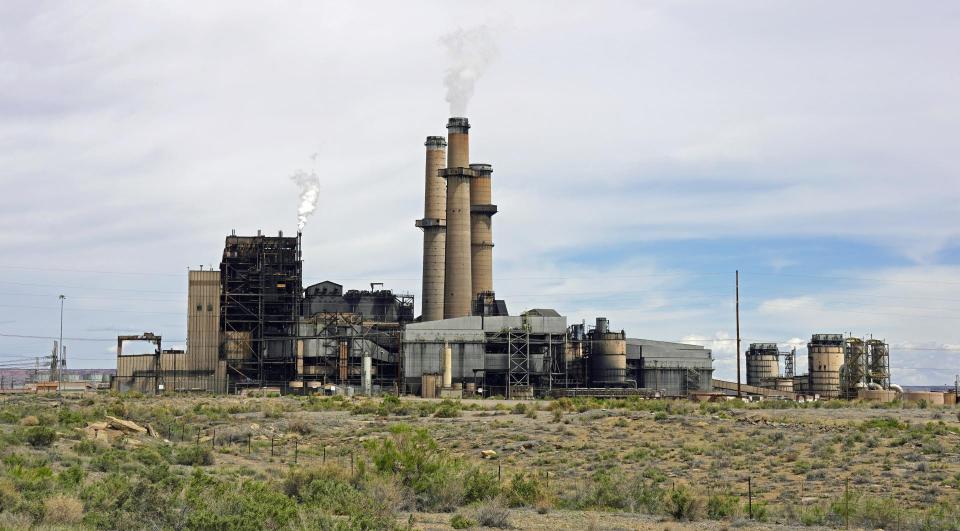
x=499, y=475
x=750, y=495
x=271, y=444
x=213, y=441
x=351, y=461
x=296, y=450
x=324, y=454
x=198, y=436
x=249, y=445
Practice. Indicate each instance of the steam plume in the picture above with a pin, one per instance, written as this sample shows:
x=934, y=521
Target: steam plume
x=470, y=52
x=309, y=184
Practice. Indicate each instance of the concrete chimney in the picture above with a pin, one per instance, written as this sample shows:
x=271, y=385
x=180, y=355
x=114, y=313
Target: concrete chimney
x=457, y=278
x=481, y=231
x=458, y=136
x=434, y=230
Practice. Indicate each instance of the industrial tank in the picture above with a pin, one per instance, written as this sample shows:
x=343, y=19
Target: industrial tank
x=824, y=359
x=608, y=356
x=763, y=364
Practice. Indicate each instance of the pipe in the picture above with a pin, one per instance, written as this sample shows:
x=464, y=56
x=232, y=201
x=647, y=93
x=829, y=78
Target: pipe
x=897, y=388
x=874, y=386
x=367, y=376
x=447, y=366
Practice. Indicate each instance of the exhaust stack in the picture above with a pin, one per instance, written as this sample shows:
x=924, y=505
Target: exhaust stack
x=458, y=287
x=481, y=232
x=434, y=230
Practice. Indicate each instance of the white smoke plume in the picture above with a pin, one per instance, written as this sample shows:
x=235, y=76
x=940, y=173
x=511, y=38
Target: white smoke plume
x=309, y=183
x=470, y=52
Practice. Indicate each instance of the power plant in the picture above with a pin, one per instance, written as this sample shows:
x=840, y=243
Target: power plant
x=253, y=325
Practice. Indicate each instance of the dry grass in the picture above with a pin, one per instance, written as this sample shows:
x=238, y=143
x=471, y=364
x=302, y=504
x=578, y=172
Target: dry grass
x=62, y=510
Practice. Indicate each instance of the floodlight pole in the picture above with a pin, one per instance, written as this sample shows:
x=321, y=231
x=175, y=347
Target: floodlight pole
x=739, y=393
x=62, y=350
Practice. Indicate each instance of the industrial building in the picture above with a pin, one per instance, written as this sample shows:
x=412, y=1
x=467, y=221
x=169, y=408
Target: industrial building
x=252, y=325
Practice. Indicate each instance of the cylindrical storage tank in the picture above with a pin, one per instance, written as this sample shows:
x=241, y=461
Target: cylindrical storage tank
x=470, y=388
x=784, y=384
x=950, y=399
x=608, y=356
x=801, y=383
x=824, y=358
x=457, y=386
x=428, y=385
x=933, y=399
x=763, y=364
x=876, y=395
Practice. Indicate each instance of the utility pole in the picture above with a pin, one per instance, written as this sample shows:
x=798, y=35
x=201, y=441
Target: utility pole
x=63, y=350
x=739, y=393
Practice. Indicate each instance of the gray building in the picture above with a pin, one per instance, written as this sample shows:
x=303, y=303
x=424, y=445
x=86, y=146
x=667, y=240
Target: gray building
x=674, y=369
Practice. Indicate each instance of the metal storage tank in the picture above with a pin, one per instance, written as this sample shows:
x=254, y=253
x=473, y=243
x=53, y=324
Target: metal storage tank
x=763, y=364
x=428, y=385
x=824, y=359
x=933, y=399
x=608, y=355
x=780, y=384
x=801, y=384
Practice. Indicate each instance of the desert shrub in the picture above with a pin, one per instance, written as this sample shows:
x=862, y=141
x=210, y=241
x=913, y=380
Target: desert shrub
x=493, y=514
x=721, y=506
x=531, y=413
x=660, y=416
x=108, y=461
x=759, y=511
x=391, y=405
x=459, y=521
x=30, y=420
x=523, y=490
x=193, y=455
x=71, y=477
x=419, y=464
x=877, y=513
x=9, y=496
x=645, y=496
x=41, y=436
x=557, y=415
x=62, y=510
x=682, y=504
x=448, y=409
x=813, y=516
x=479, y=485
x=519, y=409
x=253, y=505
x=606, y=490
x=85, y=447
x=301, y=426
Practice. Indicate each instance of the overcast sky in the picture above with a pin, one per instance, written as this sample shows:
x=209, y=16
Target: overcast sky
x=642, y=152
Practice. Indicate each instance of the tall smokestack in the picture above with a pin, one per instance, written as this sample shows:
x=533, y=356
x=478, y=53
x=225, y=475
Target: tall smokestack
x=434, y=229
x=458, y=136
x=481, y=231
x=458, y=289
